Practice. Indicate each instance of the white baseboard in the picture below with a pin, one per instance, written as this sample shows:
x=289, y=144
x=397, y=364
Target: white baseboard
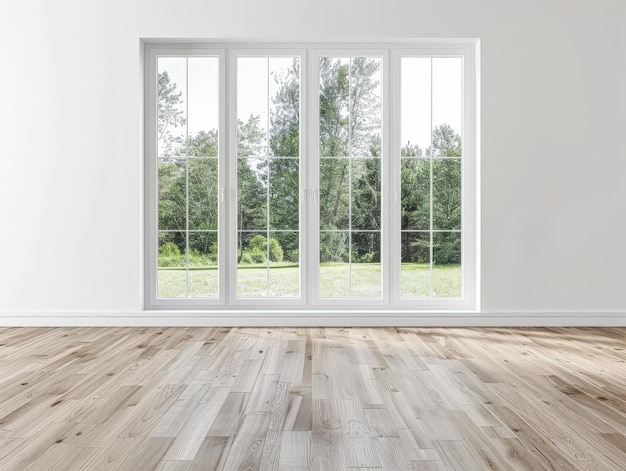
x=316, y=319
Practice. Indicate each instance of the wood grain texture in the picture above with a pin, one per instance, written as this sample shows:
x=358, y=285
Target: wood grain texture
x=323, y=399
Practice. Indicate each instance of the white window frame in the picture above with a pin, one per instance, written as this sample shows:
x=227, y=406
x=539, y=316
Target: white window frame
x=391, y=53
x=269, y=302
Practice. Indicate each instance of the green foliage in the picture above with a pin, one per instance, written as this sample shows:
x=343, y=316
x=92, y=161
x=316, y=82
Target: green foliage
x=447, y=194
x=256, y=256
x=411, y=150
x=169, y=115
x=245, y=258
x=285, y=116
x=292, y=255
x=276, y=251
x=334, y=247
x=446, y=142
x=250, y=138
x=349, y=109
x=169, y=249
x=203, y=144
x=256, y=250
x=334, y=101
x=447, y=248
x=252, y=196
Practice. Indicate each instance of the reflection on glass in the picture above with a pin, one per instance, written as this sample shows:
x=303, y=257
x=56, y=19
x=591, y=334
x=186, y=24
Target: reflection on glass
x=284, y=273
x=284, y=106
x=203, y=269
x=415, y=268
x=365, y=107
x=334, y=193
x=284, y=177
x=252, y=263
x=334, y=264
x=171, y=198
x=415, y=105
x=447, y=264
x=203, y=194
x=366, y=185
x=172, y=272
x=334, y=106
x=447, y=194
x=251, y=194
x=415, y=194
x=447, y=102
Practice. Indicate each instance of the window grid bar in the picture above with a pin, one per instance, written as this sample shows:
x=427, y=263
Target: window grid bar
x=190, y=157
x=267, y=173
x=424, y=231
x=190, y=230
x=186, y=177
x=430, y=248
x=350, y=177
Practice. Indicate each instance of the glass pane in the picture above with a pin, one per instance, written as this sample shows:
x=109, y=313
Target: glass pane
x=172, y=272
x=252, y=273
x=334, y=102
x=365, y=267
x=365, y=106
x=334, y=266
x=284, y=194
x=447, y=194
x=415, y=268
x=171, y=105
x=334, y=193
x=171, y=195
x=251, y=194
x=415, y=105
x=447, y=264
x=447, y=106
x=252, y=106
x=366, y=184
x=415, y=189
x=203, y=273
x=284, y=106
x=203, y=194
x=284, y=250
x=203, y=109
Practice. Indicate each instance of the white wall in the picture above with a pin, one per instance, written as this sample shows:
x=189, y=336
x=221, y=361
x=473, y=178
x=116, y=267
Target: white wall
x=553, y=137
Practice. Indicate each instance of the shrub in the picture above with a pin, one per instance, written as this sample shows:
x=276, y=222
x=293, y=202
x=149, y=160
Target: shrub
x=169, y=249
x=245, y=258
x=257, y=256
x=367, y=257
x=258, y=242
x=292, y=256
x=170, y=256
x=276, y=251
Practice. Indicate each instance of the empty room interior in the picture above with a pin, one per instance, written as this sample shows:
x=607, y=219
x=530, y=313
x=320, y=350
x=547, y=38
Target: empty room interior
x=292, y=235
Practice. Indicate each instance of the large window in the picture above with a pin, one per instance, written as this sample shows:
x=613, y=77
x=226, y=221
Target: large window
x=310, y=177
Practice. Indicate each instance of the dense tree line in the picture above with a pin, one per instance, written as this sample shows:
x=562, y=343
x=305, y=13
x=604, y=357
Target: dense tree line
x=268, y=168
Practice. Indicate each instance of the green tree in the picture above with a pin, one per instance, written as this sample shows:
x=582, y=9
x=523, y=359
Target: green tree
x=284, y=132
x=350, y=185
x=169, y=114
x=446, y=178
x=446, y=142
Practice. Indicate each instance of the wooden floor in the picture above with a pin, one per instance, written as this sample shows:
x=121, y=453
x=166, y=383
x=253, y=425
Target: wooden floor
x=320, y=399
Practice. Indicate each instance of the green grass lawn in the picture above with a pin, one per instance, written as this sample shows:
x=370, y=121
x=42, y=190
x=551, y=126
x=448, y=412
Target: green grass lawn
x=284, y=281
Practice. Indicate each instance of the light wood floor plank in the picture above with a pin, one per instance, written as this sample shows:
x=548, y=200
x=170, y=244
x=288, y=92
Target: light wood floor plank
x=323, y=399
